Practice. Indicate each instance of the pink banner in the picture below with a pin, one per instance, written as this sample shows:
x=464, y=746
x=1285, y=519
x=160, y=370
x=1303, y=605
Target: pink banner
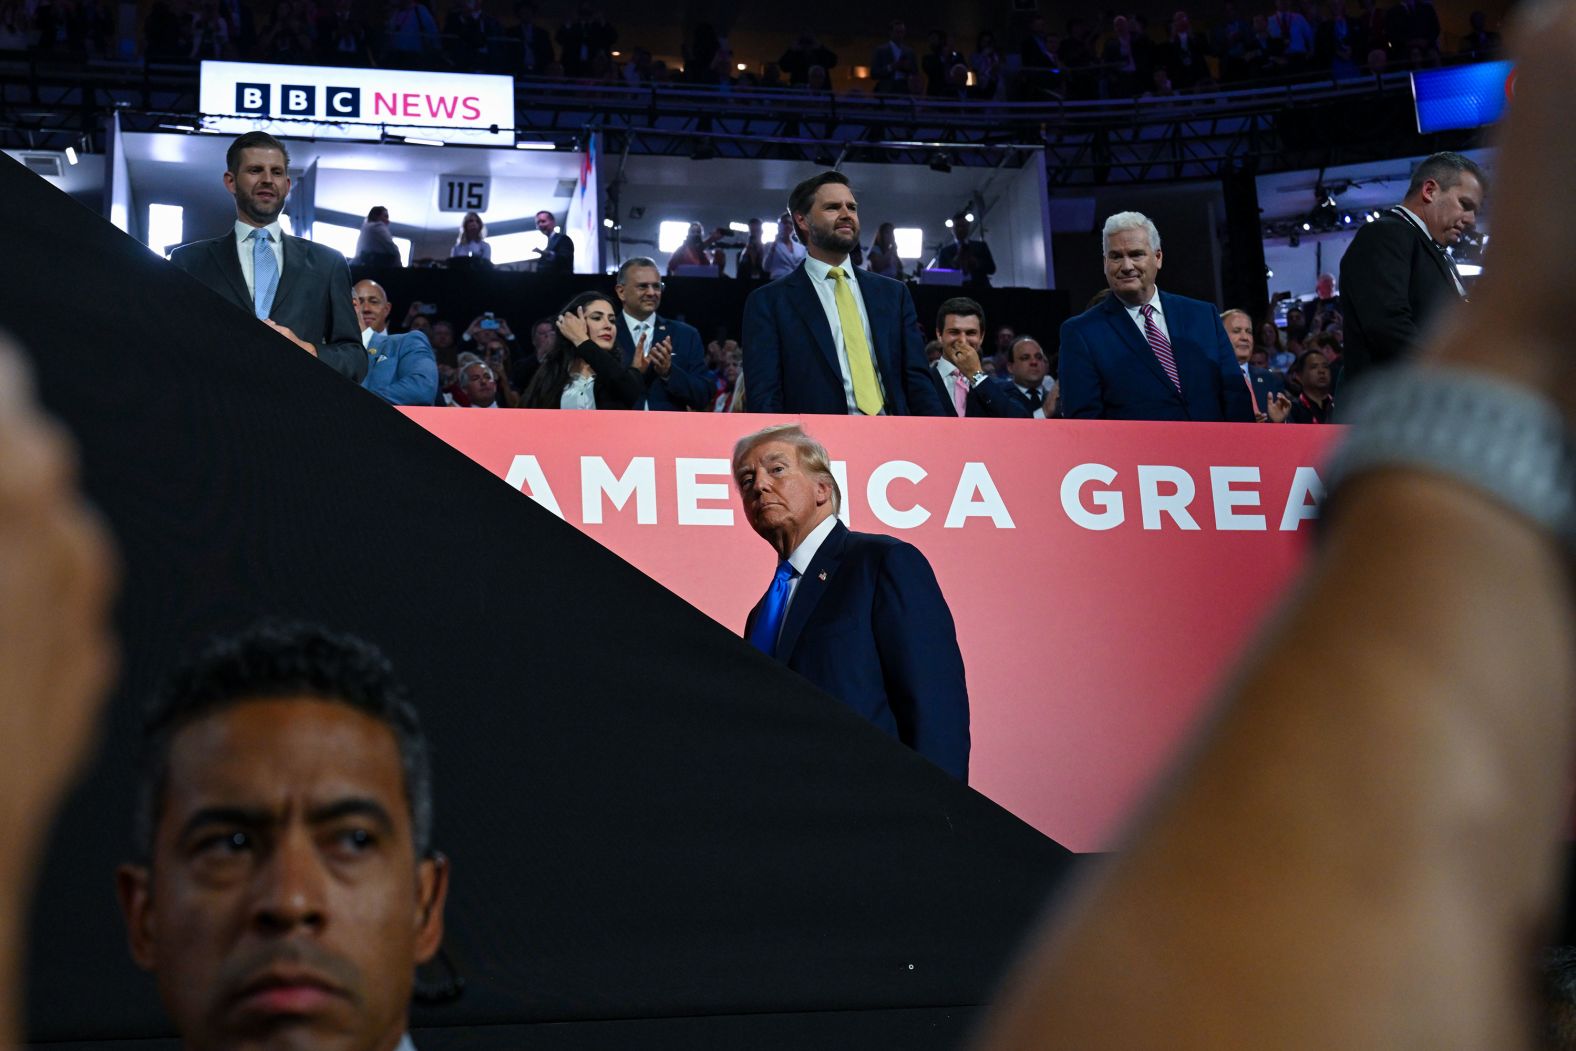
x=1101, y=574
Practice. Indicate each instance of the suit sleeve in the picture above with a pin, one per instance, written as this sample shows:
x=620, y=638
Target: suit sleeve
x=564, y=254
x=992, y=398
x=625, y=382
x=920, y=662
x=1079, y=379
x=686, y=381
x=1236, y=403
x=917, y=384
x=1375, y=273
x=416, y=382
x=763, y=369
x=341, y=349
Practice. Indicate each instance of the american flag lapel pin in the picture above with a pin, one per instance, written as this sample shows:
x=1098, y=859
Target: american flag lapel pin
x=821, y=576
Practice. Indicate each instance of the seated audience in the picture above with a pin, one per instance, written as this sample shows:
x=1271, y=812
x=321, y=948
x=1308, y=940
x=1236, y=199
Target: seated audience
x=544, y=337
x=583, y=370
x=472, y=240
x=400, y=368
x=477, y=384
x=1313, y=403
x=667, y=352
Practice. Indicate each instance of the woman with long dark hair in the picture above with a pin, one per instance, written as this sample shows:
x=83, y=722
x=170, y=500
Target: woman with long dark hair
x=583, y=370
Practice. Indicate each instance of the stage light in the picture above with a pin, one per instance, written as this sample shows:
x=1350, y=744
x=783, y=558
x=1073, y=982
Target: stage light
x=948, y=224
x=1307, y=228
x=969, y=217
x=1469, y=269
x=742, y=67
x=1347, y=219
x=910, y=241
x=1368, y=218
x=166, y=226
x=671, y=233
x=423, y=142
x=739, y=228
x=608, y=223
x=1268, y=273
x=534, y=146
x=71, y=155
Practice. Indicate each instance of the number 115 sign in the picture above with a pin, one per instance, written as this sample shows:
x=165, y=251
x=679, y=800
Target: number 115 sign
x=463, y=193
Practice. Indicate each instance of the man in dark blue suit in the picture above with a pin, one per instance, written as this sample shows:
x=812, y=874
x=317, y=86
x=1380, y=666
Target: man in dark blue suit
x=1143, y=354
x=1267, y=387
x=401, y=369
x=559, y=255
x=860, y=615
x=829, y=337
x=675, y=372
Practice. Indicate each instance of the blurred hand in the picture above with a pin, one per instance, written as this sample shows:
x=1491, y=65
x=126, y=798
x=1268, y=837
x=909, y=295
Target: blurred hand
x=661, y=356
x=964, y=358
x=57, y=650
x=1278, y=407
x=640, y=362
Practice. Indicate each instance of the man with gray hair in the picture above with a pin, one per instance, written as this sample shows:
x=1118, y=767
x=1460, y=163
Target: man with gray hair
x=858, y=614
x=675, y=364
x=1397, y=273
x=1143, y=354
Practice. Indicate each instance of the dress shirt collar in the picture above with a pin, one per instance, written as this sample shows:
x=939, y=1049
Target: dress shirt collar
x=805, y=553
x=817, y=269
x=634, y=326
x=1026, y=391
x=1136, y=312
x=244, y=230
x=946, y=368
x=405, y=1044
x=1417, y=221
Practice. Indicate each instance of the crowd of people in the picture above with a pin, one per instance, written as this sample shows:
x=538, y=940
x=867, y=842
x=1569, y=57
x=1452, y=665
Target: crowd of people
x=1081, y=57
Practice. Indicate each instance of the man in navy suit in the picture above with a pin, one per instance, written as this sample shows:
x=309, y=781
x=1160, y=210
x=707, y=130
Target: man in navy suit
x=401, y=369
x=1143, y=354
x=829, y=337
x=299, y=289
x=958, y=374
x=1266, y=387
x=675, y=364
x=858, y=614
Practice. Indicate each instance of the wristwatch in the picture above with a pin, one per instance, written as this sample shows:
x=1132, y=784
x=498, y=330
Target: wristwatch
x=1504, y=440
x=976, y=379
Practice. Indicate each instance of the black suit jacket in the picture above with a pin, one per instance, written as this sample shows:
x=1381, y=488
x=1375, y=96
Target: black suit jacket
x=1394, y=279
x=559, y=256
x=313, y=298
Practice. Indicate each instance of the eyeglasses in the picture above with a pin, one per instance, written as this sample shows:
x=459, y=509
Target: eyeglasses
x=649, y=287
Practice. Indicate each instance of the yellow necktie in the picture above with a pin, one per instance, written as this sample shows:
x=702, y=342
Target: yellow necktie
x=867, y=391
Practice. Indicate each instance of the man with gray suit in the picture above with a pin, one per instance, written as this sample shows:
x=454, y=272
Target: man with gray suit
x=299, y=289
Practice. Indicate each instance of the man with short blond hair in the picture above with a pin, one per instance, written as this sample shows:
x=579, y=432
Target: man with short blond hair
x=893, y=656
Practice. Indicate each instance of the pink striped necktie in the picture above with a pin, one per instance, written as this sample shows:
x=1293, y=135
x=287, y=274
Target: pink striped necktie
x=1161, y=346
x=960, y=393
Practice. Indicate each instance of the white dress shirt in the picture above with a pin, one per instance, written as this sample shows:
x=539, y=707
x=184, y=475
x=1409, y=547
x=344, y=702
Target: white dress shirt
x=243, y=248
x=1138, y=318
x=1039, y=414
x=800, y=560
x=579, y=392
x=826, y=291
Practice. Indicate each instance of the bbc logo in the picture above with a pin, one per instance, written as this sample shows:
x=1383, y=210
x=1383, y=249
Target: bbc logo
x=299, y=100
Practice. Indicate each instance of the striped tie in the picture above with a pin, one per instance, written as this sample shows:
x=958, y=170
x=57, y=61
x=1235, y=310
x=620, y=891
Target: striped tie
x=1161, y=346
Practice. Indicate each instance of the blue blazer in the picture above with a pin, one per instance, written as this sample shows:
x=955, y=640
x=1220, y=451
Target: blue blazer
x=790, y=360
x=401, y=369
x=686, y=386
x=1109, y=372
x=868, y=624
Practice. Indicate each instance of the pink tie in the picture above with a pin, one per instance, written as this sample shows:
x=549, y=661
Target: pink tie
x=1161, y=346
x=960, y=393
x=1252, y=395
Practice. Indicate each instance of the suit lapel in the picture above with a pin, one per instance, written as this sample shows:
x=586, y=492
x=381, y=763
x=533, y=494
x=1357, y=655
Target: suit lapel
x=808, y=305
x=1433, y=251
x=226, y=256
x=941, y=389
x=626, y=341
x=1117, y=317
x=817, y=578
x=294, y=260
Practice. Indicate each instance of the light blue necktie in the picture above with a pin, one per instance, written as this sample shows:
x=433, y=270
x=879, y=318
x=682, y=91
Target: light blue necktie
x=265, y=273
x=763, y=635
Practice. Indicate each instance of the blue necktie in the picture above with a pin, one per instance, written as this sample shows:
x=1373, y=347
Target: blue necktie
x=763, y=636
x=265, y=274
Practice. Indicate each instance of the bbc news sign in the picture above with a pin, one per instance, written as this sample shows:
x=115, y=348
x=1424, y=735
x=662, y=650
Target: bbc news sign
x=1102, y=575
x=329, y=102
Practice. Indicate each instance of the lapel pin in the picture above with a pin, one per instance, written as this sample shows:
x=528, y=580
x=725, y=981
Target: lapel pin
x=822, y=576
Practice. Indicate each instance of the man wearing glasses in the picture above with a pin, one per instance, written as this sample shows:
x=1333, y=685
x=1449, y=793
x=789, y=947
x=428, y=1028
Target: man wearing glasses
x=667, y=353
